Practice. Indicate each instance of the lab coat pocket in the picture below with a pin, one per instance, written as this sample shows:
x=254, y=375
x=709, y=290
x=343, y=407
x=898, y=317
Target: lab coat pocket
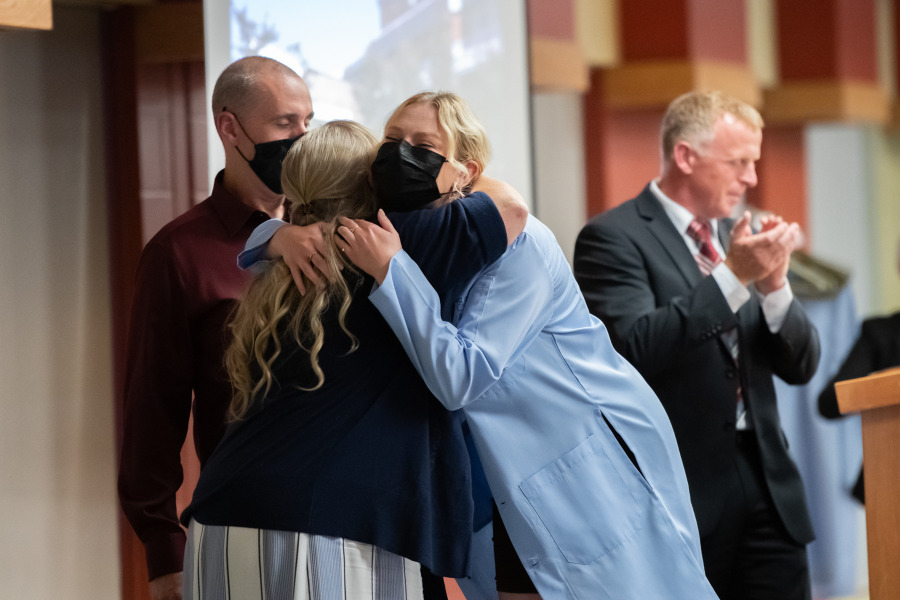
x=473, y=305
x=583, y=501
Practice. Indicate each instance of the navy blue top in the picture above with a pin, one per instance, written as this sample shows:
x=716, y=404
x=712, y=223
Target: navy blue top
x=370, y=456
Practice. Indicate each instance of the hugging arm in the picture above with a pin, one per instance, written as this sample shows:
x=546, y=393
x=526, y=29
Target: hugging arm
x=301, y=247
x=298, y=245
x=509, y=202
x=506, y=309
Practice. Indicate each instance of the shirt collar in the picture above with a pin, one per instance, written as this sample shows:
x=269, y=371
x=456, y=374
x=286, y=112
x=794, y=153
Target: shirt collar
x=680, y=216
x=235, y=215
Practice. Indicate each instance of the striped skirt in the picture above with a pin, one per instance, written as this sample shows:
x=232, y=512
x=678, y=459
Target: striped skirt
x=238, y=563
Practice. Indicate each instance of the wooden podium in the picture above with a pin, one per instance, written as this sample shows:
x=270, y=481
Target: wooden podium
x=877, y=397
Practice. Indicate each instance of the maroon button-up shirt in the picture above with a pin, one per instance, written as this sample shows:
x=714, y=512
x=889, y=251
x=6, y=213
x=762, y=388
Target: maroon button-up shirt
x=187, y=285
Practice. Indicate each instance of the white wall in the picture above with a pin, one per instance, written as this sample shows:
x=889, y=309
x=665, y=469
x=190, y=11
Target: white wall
x=839, y=168
x=58, y=523
x=558, y=127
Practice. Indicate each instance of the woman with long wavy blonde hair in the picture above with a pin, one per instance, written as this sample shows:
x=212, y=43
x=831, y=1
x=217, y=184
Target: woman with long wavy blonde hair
x=340, y=475
x=327, y=177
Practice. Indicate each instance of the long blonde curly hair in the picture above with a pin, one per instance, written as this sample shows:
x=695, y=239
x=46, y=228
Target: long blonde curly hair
x=324, y=175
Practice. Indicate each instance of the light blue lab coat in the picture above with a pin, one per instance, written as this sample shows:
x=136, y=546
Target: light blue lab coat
x=538, y=380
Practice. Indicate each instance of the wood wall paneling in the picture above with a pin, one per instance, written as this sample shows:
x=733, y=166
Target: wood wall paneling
x=156, y=106
x=698, y=30
x=892, y=33
x=172, y=147
x=668, y=47
x=654, y=30
x=828, y=61
x=552, y=18
x=632, y=147
x=827, y=39
x=169, y=33
x=125, y=240
x=163, y=100
x=877, y=397
x=597, y=31
x=198, y=115
x=880, y=441
x=594, y=150
x=655, y=83
x=621, y=147
x=26, y=14
x=557, y=61
x=718, y=31
x=781, y=173
x=827, y=100
x=806, y=39
x=557, y=65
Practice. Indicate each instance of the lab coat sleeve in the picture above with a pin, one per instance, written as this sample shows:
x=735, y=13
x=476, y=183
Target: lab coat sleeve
x=507, y=308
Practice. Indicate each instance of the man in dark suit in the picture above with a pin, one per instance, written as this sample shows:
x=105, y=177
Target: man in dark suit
x=701, y=306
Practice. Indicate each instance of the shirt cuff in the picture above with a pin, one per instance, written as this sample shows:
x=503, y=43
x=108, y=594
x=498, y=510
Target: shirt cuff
x=164, y=554
x=775, y=306
x=253, y=256
x=735, y=293
x=388, y=283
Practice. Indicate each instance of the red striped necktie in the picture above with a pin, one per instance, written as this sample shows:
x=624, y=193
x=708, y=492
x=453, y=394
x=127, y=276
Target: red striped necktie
x=707, y=258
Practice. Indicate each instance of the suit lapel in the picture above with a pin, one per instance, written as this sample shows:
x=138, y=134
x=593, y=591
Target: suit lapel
x=661, y=227
x=725, y=226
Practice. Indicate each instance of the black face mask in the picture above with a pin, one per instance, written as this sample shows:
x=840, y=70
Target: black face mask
x=405, y=176
x=267, y=159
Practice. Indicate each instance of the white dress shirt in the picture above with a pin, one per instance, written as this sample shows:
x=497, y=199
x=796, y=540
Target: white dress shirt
x=774, y=305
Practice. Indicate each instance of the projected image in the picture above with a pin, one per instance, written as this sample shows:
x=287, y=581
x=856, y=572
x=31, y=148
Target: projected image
x=309, y=38
x=361, y=58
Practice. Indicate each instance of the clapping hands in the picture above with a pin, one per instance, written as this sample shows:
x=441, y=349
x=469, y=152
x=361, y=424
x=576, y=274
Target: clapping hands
x=762, y=258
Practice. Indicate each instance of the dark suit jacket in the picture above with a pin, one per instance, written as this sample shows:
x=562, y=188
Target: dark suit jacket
x=639, y=277
x=876, y=348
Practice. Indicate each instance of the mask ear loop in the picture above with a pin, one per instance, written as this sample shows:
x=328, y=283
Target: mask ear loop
x=455, y=193
x=241, y=125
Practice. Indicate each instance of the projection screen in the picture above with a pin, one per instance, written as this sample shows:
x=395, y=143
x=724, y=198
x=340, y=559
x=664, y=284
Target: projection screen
x=361, y=58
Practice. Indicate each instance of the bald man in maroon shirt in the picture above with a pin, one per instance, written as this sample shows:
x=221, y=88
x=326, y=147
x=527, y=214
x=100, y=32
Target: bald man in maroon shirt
x=187, y=283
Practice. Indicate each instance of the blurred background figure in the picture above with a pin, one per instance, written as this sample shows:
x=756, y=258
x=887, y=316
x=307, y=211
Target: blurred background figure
x=877, y=348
